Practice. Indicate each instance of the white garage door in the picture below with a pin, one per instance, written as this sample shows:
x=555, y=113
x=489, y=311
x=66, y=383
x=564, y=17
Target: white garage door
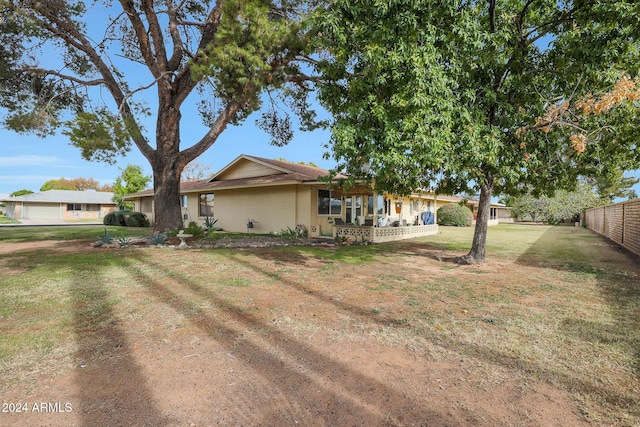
x=41, y=211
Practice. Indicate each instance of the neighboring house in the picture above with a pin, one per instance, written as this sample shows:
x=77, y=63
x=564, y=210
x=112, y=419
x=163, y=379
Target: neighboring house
x=263, y=196
x=60, y=205
x=498, y=212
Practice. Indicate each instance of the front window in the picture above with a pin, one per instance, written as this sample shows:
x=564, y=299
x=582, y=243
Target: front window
x=371, y=205
x=146, y=204
x=183, y=200
x=206, y=204
x=387, y=206
x=328, y=204
x=74, y=207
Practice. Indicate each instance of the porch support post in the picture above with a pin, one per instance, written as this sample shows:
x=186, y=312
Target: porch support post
x=375, y=209
x=435, y=208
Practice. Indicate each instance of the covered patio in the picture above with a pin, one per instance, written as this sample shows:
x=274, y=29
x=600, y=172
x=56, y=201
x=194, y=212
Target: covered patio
x=379, y=218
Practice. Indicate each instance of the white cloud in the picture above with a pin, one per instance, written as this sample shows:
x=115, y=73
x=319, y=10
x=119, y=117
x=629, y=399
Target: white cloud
x=32, y=160
x=26, y=179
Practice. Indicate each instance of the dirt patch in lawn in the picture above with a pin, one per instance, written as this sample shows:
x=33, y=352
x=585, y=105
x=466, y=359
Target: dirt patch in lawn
x=274, y=336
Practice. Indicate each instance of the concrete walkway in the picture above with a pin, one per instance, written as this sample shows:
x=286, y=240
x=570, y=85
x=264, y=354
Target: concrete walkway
x=49, y=222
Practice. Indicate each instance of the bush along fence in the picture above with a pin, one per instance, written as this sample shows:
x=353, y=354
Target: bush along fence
x=619, y=222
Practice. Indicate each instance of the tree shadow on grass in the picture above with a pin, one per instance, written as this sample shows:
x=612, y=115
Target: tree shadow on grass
x=111, y=384
x=476, y=350
x=616, y=270
x=111, y=387
x=617, y=275
x=320, y=389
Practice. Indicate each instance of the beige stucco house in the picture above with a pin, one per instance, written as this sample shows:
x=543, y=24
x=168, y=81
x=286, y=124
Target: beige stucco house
x=60, y=205
x=263, y=196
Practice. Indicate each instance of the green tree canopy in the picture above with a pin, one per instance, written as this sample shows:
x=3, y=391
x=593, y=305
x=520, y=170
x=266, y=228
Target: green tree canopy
x=450, y=94
x=615, y=186
x=74, y=184
x=98, y=70
x=131, y=180
x=20, y=193
x=562, y=206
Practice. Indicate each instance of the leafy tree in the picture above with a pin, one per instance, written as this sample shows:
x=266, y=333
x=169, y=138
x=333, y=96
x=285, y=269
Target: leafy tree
x=20, y=193
x=567, y=205
x=104, y=62
x=449, y=94
x=57, y=184
x=74, y=184
x=131, y=180
x=299, y=163
x=562, y=206
x=528, y=205
x=615, y=185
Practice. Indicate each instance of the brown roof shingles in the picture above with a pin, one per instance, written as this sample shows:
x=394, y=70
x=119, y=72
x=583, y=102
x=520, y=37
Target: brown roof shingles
x=294, y=172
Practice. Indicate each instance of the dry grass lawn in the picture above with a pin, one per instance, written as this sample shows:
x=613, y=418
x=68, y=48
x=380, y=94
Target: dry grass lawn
x=546, y=333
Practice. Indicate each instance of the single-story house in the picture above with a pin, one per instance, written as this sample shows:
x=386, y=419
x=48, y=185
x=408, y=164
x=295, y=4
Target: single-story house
x=498, y=212
x=263, y=196
x=60, y=205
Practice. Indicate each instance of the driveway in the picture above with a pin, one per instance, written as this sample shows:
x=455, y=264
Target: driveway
x=48, y=222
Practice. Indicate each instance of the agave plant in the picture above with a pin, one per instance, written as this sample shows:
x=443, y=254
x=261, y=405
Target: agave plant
x=106, y=238
x=209, y=222
x=159, y=238
x=124, y=241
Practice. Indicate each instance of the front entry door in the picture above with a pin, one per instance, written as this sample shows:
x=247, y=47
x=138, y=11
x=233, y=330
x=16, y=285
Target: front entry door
x=353, y=208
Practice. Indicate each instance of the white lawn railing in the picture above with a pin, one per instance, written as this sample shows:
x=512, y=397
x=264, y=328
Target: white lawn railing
x=358, y=233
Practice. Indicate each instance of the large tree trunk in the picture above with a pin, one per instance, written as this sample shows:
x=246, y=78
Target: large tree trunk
x=477, y=253
x=167, y=209
x=167, y=165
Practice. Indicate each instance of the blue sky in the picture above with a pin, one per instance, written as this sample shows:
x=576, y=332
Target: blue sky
x=27, y=162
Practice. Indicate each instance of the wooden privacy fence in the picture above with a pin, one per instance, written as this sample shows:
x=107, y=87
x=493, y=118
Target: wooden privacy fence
x=619, y=222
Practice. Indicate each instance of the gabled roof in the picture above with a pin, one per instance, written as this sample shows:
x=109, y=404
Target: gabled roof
x=66, y=196
x=298, y=171
x=277, y=172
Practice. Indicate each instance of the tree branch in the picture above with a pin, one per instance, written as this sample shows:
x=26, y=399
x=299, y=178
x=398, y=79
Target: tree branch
x=184, y=83
x=178, y=49
x=78, y=40
x=141, y=33
x=45, y=72
x=220, y=124
x=563, y=17
x=492, y=15
x=157, y=39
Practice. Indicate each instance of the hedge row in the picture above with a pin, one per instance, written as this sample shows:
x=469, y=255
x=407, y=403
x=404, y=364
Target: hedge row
x=126, y=219
x=457, y=215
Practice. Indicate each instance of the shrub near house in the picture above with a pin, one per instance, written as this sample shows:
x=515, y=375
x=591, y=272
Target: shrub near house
x=126, y=219
x=453, y=214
